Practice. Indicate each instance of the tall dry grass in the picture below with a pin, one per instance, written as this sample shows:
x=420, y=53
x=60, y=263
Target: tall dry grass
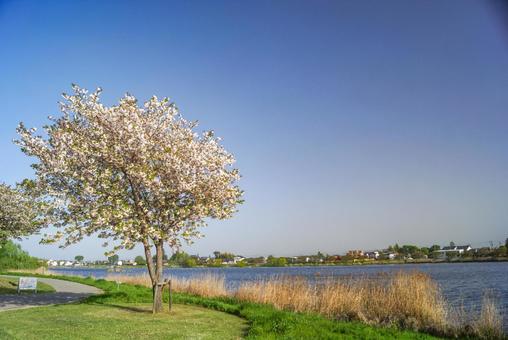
x=489, y=325
x=409, y=300
x=207, y=285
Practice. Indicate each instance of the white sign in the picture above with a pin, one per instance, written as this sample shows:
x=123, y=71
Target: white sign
x=26, y=283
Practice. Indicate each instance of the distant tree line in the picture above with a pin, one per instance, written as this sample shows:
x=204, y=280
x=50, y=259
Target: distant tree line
x=397, y=252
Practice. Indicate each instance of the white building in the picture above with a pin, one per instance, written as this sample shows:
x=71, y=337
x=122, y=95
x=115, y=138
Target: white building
x=452, y=250
x=237, y=259
x=372, y=254
x=391, y=256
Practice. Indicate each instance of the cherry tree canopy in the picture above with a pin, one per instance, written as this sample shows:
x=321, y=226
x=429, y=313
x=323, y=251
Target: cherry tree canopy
x=129, y=173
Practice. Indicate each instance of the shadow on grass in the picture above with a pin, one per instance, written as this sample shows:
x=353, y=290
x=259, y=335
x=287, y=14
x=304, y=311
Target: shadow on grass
x=129, y=308
x=13, y=301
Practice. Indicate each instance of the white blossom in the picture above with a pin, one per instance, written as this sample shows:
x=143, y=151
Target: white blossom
x=130, y=173
x=21, y=212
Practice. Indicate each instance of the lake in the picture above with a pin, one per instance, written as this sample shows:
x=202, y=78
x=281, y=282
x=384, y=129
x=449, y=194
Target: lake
x=462, y=283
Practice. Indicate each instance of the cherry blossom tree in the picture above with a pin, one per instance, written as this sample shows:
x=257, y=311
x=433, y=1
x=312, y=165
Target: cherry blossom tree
x=130, y=174
x=21, y=213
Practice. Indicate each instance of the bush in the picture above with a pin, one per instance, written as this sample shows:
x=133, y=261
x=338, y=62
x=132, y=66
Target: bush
x=189, y=263
x=215, y=263
x=140, y=260
x=13, y=257
x=241, y=264
x=276, y=262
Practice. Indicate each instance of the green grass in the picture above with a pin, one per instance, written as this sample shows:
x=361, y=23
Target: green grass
x=264, y=321
x=10, y=286
x=119, y=321
x=267, y=322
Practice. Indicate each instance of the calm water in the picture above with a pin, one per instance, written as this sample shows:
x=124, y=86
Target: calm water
x=461, y=283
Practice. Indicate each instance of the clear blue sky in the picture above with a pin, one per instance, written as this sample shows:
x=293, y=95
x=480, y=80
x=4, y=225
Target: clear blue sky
x=356, y=124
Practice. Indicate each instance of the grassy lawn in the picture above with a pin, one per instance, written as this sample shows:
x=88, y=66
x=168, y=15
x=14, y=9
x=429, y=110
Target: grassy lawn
x=119, y=321
x=116, y=314
x=10, y=286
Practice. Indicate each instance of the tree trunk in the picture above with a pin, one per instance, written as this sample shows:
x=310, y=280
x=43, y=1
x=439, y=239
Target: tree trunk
x=149, y=261
x=157, y=293
x=155, y=272
x=157, y=299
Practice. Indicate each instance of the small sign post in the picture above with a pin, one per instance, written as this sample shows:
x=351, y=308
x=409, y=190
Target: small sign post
x=27, y=283
x=170, y=295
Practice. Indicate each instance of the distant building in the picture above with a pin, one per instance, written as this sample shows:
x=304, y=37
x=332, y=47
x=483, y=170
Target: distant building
x=372, y=254
x=450, y=250
x=355, y=253
x=463, y=249
x=390, y=256
x=237, y=259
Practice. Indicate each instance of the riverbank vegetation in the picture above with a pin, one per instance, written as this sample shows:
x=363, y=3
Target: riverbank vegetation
x=410, y=301
x=264, y=320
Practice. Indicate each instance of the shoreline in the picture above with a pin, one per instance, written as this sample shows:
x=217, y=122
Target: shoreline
x=343, y=264
x=317, y=319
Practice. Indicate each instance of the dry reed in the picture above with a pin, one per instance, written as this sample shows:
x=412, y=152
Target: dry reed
x=409, y=300
x=489, y=325
x=207, y=285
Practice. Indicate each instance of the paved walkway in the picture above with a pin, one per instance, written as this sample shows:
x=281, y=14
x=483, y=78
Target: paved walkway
x=66, y=292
